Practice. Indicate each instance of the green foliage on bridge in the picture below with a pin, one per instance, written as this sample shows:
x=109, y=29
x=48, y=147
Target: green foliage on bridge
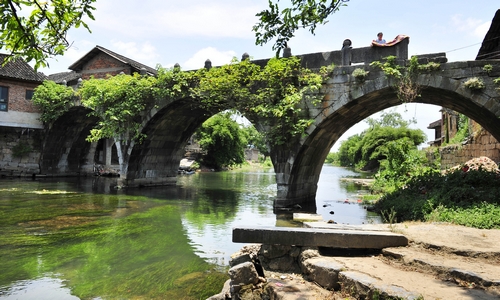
x=54, y=100
x=405, y=76
x=118, y=103
x=276, y=95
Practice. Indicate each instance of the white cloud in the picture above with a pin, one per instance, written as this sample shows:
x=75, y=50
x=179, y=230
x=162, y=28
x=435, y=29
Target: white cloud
x=469, y=25
x=217, y=58
x=200, y=18
x=482, y=29
x=145, y=53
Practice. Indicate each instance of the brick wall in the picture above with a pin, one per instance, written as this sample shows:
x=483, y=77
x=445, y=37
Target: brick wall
x=101, y=65
x=482, y=144
x=17, y=96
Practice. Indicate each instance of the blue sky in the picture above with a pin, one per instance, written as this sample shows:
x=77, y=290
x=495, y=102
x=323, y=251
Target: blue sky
x=189, y=32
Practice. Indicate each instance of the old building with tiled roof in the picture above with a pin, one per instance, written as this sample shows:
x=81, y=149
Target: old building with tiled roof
x=490, y=48
x=67, y=78
x=481, y=142
x=17, y=83
x=101, y=62
x=20, y=127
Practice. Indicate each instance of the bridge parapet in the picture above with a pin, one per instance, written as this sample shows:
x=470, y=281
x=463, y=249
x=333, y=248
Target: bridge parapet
x=348, y=55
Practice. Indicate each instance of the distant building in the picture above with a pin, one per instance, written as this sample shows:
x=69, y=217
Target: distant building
x=20, y=127
x=444, y=128
x=18, y=81
x=481, y=143
x=490, y=48
x=99, y=63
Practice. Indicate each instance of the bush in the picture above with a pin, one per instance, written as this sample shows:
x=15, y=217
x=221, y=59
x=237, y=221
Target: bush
x=21, y=149
x=465, y=198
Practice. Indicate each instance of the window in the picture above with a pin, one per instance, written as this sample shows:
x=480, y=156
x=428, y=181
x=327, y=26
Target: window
x=29, y=94
x=4, y=98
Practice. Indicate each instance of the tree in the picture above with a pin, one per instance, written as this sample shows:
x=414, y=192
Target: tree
x=256, y=139
x=281, y=25
x=389, y=119
x=36, y=30
x=348, y=155
x=223, y=140
x=371, y=146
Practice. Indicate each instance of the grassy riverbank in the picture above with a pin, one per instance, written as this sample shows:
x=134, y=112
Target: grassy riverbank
x=463, y=197
x=467, y=194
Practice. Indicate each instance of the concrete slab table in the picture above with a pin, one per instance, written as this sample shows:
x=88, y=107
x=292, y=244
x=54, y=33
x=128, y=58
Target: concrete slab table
x=318, y=237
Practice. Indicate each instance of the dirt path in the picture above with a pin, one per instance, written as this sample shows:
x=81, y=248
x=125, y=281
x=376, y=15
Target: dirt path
x=442, y=261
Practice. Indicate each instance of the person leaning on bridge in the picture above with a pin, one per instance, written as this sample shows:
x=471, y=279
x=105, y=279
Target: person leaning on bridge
x=380, y=39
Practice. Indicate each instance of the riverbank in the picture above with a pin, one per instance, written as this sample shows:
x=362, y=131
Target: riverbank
x=442, y=261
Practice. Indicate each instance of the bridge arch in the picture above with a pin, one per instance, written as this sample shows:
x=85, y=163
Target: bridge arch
x=65, y=149
x=347, y=102
x=155, y=160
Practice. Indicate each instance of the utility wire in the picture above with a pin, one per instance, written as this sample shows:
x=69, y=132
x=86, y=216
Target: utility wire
x=488, y=40
x=462, y=48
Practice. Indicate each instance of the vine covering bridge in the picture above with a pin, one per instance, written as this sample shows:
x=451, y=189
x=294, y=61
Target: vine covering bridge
x=298, y=162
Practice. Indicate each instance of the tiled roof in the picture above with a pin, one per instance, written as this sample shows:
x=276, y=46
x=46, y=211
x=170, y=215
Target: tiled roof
x=490, y=49
x=68, y=76
x=434, y=124
x=20, y=70
x=77, y=66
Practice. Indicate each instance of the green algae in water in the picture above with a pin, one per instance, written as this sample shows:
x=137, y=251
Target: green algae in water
x=101, y=252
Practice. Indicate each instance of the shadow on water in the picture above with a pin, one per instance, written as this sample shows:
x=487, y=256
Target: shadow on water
x=84, y=238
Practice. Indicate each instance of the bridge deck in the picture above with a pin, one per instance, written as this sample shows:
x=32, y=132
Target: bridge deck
x=319, y=237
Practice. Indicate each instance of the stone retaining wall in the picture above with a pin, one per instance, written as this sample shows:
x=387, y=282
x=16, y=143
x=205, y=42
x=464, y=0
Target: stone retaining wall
x=27, y=164
x=482, y=144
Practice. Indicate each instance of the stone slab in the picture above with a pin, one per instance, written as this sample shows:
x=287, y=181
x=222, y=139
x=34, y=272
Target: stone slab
x=364, y=286
x=365, y=227
x=318, y=237
x=307, y=217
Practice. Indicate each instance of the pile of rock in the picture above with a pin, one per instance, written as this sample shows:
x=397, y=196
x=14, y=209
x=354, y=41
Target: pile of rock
x=483, y=163
x=270, y=272
x=246, y=275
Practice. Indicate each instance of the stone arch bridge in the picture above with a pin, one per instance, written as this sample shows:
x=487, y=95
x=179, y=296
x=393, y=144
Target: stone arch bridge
x=298, y=163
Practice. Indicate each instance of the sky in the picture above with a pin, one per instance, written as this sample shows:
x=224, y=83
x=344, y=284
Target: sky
x=166, y=32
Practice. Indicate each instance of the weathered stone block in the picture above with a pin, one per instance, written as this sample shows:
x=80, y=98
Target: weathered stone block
x=323, y=270
x=243, y=274
x=270, y=251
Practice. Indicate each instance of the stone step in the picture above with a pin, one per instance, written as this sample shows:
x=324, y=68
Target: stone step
x=319, y=237
x=476, y=272
x=387, y=281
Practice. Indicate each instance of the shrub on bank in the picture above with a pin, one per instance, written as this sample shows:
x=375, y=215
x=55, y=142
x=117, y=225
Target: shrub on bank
x=463, y=196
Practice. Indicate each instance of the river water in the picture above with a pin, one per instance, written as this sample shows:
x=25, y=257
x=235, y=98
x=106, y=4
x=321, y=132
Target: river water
x=81, y=239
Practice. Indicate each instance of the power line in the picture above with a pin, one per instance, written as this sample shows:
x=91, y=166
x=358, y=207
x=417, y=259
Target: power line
x=462, y=48
x=484, y=41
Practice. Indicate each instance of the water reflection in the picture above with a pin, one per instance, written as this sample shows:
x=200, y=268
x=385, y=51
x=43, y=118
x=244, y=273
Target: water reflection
x=45, y=288
x=160, y=242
